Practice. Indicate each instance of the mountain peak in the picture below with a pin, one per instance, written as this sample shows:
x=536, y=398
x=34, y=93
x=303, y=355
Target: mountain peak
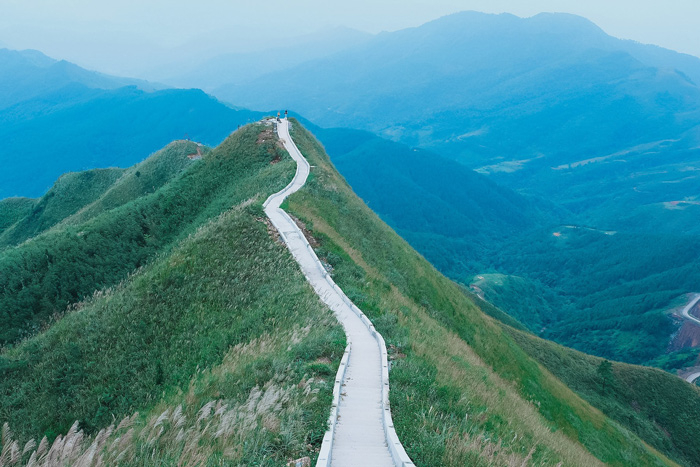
x=37, y=58
x=507, y=23
x=28, y=57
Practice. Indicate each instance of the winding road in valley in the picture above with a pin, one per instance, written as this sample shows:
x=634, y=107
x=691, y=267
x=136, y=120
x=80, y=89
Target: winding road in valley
x=686, y=311
x=692, y=377
x=686, y=314
x=361, y=431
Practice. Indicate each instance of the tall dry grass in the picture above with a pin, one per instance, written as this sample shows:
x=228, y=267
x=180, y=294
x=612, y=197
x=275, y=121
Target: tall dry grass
x=217, y=431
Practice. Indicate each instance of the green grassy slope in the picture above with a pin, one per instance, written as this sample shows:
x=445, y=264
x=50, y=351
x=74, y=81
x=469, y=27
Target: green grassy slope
x=658, y=406
x=78, y=197
x=43, y=276
x=141, y=179
x=14, y=209
x=463, y=391
x=71, y=192
x=217, y=341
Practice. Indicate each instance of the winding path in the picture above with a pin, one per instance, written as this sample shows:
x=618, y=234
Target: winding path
x=692, y=377
x=686, y=314
x=686, y=311
x=361, y=431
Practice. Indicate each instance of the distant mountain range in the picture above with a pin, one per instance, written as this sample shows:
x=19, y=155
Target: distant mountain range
x=468, y=78
x=57, y=117
x=532, y=102
x=27, y=74
x=243, y=68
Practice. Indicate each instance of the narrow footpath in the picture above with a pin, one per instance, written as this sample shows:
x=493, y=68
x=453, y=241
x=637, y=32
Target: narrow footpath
x=361, y=431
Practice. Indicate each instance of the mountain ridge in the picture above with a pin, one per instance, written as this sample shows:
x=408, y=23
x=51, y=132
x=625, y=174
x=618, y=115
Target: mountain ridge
x=446, y=354
x=40, y=74
x=97, y=119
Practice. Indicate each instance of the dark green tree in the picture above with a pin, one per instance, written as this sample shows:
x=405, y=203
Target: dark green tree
x=605, y=375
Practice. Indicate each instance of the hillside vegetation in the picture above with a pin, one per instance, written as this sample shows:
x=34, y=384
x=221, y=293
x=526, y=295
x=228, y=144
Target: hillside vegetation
x=43, y=276
x=658, y=406
x=12, y=210
x=552, y=107
x=213, y=350
x=600, y=291
x=70, y=193
x=463, y=391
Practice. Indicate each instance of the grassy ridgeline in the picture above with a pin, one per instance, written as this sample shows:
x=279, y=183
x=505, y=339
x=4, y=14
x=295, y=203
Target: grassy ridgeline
x=43, y=276
x=463, y=391
x=218, y=341
x=71, y=192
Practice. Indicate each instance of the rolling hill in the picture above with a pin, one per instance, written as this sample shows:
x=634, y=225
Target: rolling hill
x=183, y=291
x=193, y=315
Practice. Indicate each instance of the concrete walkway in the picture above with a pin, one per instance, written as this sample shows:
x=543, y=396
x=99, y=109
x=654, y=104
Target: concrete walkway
x=361, y=421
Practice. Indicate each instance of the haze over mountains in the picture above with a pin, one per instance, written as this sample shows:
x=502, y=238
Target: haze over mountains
x=490, y=73
x=584, y=129
x=42, y=75
x=243, y=68
x=548, y=167
x=78, y=119
x=508, y=96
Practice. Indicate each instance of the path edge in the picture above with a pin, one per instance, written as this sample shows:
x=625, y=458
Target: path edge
x=396, y=449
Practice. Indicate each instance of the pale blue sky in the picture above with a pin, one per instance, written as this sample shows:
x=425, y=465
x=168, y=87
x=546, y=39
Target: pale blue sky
x=130, y=36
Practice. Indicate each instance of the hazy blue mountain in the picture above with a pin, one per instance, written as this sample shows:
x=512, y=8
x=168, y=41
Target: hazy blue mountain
x=484, y=88
x=241, y=68
x=549, y=105
x=56, y=117
x=27, y=74
x=421, y=193
x=77, y=128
